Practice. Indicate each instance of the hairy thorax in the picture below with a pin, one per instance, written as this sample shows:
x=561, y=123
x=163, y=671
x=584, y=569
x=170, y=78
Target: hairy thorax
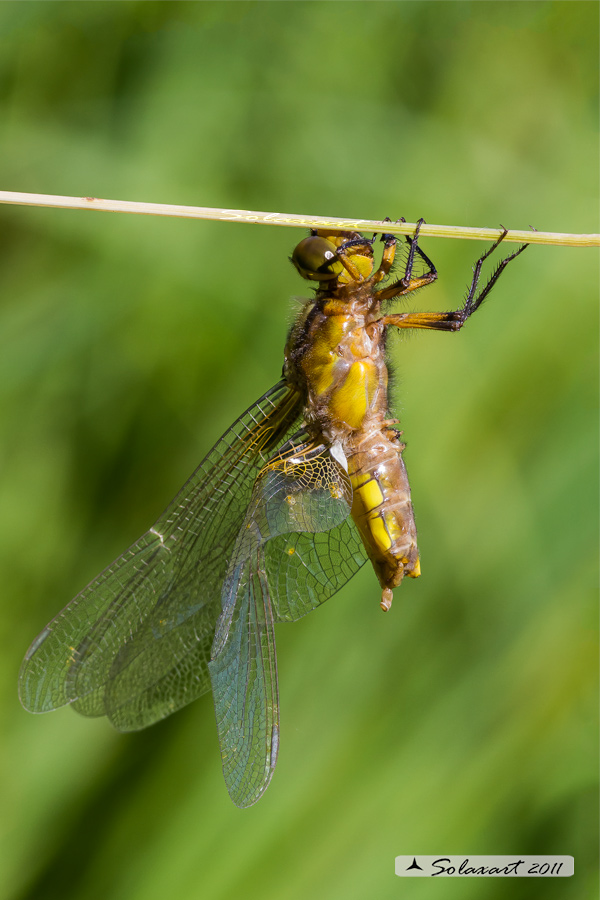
x=336, y=355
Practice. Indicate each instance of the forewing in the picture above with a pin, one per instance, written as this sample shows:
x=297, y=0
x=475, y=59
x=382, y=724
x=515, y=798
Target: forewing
x=134, y=644
x=302, y=491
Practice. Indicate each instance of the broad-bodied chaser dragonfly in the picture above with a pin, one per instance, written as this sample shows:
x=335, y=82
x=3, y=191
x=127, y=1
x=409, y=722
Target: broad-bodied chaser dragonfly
x=303, y=488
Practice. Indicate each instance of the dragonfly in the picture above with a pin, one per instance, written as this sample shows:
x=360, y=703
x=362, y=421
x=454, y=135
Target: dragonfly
x=305, y=487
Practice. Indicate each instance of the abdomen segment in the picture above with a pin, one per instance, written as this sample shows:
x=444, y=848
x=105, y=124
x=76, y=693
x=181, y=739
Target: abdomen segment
x=382, y=509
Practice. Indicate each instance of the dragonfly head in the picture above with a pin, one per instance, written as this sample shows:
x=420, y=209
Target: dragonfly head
x=328, y=256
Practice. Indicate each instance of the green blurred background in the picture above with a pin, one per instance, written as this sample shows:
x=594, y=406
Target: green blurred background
x=465, y=720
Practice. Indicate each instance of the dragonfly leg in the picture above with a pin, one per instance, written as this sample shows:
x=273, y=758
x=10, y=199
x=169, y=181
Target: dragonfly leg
x=389, y=254
x=454, y=320
x=349, y=266
x=407, y=283
x=387, y=260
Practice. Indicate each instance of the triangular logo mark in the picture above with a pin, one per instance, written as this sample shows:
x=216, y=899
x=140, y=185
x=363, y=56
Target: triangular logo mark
x=414, y=865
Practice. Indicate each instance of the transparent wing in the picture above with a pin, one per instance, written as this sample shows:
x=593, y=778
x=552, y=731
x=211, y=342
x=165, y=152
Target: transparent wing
x=135, y=643
x=304, y=570
x=300, y=494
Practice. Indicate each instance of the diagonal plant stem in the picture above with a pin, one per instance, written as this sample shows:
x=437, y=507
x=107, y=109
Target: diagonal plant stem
x=294, y=220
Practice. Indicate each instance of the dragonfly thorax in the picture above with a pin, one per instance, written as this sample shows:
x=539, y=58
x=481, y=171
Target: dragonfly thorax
x=336, y=356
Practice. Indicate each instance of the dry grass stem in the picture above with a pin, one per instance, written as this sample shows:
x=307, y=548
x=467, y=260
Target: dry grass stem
x=294, y=220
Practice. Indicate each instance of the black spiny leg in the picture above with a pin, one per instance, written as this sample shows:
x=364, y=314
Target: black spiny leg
x=454, y=321
x=407, y=283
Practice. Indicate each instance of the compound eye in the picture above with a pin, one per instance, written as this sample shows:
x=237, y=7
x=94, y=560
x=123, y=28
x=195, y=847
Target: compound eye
x=316, y=259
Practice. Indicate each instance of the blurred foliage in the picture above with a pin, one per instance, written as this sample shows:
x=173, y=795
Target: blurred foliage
x=465, y=720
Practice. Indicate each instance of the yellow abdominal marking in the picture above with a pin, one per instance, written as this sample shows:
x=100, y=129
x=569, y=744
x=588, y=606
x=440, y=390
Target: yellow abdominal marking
x=380, y=535
x=384, y=527
x=416, y=571
x=393, y=527
x=370, y=494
